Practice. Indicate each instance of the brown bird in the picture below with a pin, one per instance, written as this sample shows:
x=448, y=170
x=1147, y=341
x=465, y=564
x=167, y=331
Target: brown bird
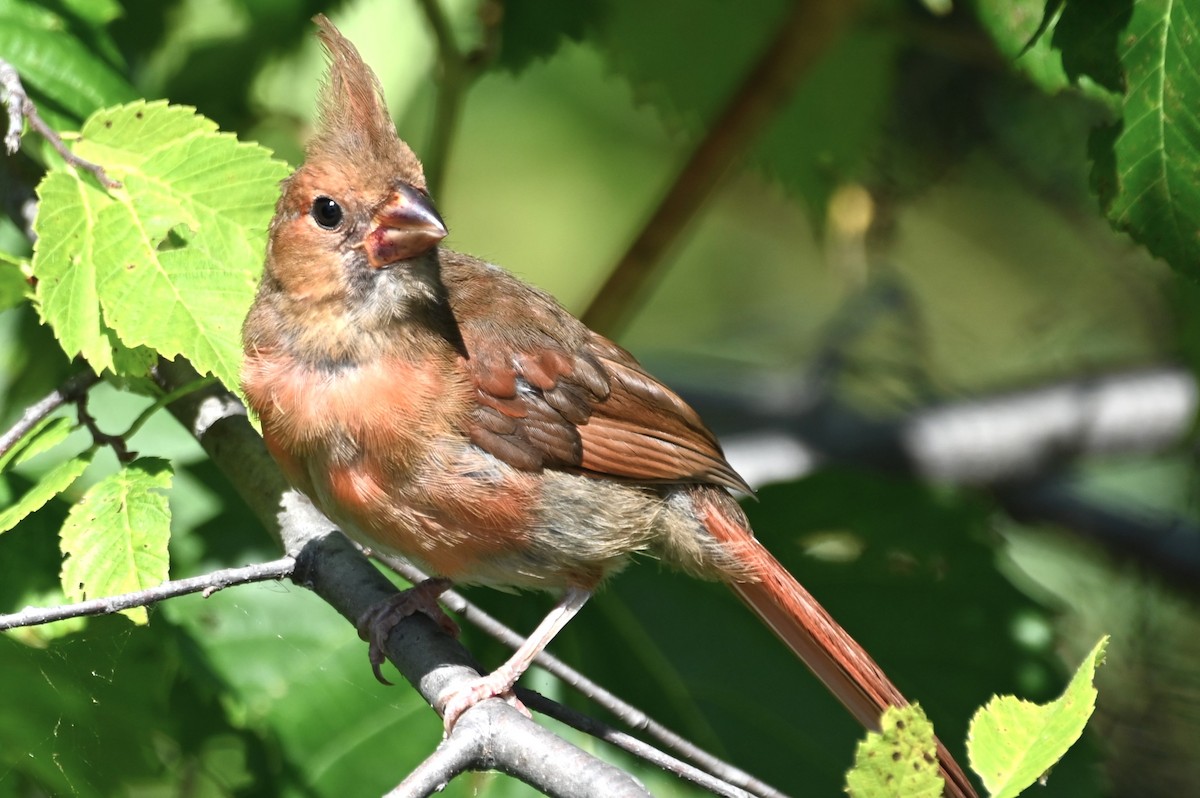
x=438, y=408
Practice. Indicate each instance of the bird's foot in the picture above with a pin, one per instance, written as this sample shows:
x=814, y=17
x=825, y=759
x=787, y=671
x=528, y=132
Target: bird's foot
x=498, y=684
x=377, y=622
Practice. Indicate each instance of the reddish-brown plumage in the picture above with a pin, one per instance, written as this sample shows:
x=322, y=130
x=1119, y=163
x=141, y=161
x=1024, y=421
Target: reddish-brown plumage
x=436, y=407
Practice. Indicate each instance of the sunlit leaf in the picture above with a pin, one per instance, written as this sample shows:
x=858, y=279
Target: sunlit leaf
x=168, y=261
x=45, y=435
x=1012, y=743
x=14, y=284
x=899, y=761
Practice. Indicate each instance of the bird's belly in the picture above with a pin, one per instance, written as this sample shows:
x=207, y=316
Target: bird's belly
x=449, y=512
x=471, y=517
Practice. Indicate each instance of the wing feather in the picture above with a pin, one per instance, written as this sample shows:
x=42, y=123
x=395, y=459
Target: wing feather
x=553, y=394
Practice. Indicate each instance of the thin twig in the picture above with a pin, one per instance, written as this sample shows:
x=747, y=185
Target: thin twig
x=70, y=391
x=803, y=36
x=165, y=400
x=99, y=436
x=207, y=584
x=21, y=107
x=630, y=744
x=626, y=712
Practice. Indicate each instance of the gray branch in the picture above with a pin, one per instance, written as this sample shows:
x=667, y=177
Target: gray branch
x=1020, y=446
x=717, y=776
x=998, y=439
x=70, y=391
x=1031, y=435
x=505, y=743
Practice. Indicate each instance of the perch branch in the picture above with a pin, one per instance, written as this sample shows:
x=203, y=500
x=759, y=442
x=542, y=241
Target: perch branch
x=726, y=774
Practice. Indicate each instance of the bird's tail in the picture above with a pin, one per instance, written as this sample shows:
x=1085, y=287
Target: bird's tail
x=812, y=634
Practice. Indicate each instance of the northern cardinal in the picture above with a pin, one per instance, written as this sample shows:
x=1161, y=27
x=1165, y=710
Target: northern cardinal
x=438, y=408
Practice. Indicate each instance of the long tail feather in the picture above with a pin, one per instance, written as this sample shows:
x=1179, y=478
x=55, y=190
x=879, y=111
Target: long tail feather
x=812, y=634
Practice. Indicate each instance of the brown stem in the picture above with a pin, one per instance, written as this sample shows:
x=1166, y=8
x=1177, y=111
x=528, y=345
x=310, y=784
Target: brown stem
x=459, y=72
x=99, y=436
x=807, y=32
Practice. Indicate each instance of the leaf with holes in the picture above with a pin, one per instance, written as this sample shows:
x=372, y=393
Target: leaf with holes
x=900, y=759
x=115, y=539
x=167, y=262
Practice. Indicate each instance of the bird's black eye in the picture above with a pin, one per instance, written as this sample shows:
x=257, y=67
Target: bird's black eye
x=326, y=212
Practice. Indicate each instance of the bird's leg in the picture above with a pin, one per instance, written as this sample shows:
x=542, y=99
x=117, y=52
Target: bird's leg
x=499, y=682
x=377, y=622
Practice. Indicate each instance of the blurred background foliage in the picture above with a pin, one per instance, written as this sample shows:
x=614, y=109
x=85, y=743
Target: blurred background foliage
x=921, y=209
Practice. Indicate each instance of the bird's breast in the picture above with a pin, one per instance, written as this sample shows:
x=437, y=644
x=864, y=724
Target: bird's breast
x=379, y=447
x=392, y=404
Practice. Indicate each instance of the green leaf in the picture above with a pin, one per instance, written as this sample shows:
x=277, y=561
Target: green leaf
x=285, y=674
x=94, y=717
x=898, y=761
x=53, y=61
x=45, y=435
x=1148, y=182
x=1016, y=26
x=1012, y=743
x=1089, y=36
x=52, y=483
x=115, y=539
x=170, y=260
x=65, y=263
x=14, y=283
x=1059, y=45
x=848, y=90
x=95, y=12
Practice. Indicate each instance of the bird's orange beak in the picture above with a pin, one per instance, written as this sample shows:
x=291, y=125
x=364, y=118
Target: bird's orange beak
x=406, y=226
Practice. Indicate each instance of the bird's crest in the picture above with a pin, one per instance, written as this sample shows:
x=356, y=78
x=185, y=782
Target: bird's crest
x=354, y=119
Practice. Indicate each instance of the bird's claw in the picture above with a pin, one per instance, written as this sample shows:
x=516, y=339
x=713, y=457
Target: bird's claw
x=377, y=622
x=457, y=700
